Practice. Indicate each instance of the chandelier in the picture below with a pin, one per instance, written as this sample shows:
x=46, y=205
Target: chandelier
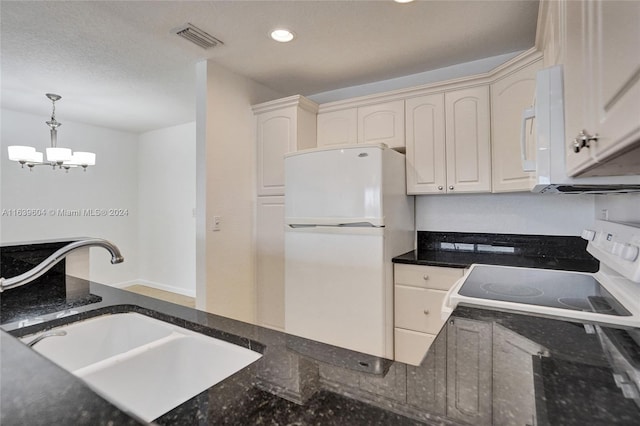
x=63, y=158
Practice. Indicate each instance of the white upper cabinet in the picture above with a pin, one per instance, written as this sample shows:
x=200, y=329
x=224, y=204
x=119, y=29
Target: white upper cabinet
x=602, y=86
x=377, y=123
x=426, y=156
x=551, y=31
x=283, y=126
x=510, y=96
x=338, y=127
x=382, y=123
x=575, y=81
x=448, y=142
x=614, y=45
x=468, y=140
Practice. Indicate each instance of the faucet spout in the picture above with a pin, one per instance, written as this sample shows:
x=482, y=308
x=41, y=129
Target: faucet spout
x=56, y=257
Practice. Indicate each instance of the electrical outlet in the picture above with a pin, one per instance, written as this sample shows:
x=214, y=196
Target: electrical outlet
x=604, y=214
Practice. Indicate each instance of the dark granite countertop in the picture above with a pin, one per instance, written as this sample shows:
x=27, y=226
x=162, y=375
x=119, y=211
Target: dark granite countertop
x=485, y=367
x=461, y=250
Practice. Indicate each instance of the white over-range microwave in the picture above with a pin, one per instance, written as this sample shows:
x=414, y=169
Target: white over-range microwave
x=550, y=143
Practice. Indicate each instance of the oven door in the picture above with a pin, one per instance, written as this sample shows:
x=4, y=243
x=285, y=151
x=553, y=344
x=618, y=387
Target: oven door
x=551, y=293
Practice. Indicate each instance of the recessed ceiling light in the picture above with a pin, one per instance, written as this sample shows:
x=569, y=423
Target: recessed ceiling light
x=282, y=35
x=403, y=1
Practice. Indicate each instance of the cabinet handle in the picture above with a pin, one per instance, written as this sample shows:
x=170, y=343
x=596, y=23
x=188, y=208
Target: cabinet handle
x=425, y=277
x=440, y=187
x=451, y=187
x=426, y=312
x=583, y=140
x=575, y=145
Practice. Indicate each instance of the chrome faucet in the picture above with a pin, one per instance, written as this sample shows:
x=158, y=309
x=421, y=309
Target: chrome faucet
x=57, y=256
x=45, y=335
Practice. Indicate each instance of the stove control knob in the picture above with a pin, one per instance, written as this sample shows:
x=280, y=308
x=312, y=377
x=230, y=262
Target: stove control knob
x=629, y=252
x=625, y=251
x=588, y=234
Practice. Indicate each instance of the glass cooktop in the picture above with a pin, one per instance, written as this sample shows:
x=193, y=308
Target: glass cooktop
x=542, y=287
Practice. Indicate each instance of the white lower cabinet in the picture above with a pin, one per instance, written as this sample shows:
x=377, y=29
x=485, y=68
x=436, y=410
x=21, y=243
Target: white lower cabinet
x=419, y=293
x=411, y=346
x=420, y=309
x=270, y=262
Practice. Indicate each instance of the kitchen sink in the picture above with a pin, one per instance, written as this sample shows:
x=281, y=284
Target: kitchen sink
x=144, y=365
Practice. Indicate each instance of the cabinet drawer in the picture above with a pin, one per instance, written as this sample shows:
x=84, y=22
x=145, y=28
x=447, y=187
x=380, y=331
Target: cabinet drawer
x=427, y=276
x=411, y=346
x=418, y=309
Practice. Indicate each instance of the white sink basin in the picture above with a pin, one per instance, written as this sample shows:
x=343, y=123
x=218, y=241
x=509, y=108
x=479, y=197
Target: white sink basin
x=144, y=365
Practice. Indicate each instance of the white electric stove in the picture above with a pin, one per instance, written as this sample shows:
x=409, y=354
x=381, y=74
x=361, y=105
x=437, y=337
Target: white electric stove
x=609, y=296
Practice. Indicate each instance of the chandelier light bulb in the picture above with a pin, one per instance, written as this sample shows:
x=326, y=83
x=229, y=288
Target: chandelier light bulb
x=58, y=155
x=21, y=153
x=82, y=159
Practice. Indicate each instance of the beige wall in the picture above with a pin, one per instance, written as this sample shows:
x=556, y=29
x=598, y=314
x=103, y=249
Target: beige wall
x=225, y=176
x=166, y=199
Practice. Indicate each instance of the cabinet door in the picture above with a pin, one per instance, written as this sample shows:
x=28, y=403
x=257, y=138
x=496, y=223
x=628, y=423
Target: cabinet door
x=276, y=134
x=270, y=262
x=469, y=371
x=382, y=123
x=614, y=46
x=575, y=82
x=514, y=399
x=509, y=97
x=427, y=383
x=468, y=143
x=338, y=127
x=426, y=158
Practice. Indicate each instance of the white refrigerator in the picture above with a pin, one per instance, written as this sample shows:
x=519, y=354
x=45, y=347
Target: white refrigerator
x=346, y=216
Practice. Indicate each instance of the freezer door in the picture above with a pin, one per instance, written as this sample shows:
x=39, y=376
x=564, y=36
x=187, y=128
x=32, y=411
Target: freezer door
x=335, y=186
x=338, y=290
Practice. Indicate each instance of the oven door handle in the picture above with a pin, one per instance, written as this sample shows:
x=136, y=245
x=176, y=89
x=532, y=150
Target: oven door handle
x=447, y=305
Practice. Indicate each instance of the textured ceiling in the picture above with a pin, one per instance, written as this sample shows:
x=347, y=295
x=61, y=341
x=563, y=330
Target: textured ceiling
x=118, y=65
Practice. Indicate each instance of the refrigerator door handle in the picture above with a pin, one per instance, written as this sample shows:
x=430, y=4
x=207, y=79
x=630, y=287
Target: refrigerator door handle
x=351, y=230
x=376, y=222
x=337, y=225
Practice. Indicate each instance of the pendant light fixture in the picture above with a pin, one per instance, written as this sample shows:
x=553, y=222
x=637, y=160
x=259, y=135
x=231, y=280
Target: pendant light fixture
x=63, y=158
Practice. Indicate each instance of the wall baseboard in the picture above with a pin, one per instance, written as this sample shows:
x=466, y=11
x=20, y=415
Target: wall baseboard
x=159, y=286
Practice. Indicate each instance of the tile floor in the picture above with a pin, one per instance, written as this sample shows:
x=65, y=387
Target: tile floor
x=162, y=295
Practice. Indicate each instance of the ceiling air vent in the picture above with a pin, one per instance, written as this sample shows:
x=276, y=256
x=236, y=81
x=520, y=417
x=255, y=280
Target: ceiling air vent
x=197, y=36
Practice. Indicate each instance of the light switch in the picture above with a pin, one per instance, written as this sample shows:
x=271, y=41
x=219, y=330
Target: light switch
x=215, y=223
